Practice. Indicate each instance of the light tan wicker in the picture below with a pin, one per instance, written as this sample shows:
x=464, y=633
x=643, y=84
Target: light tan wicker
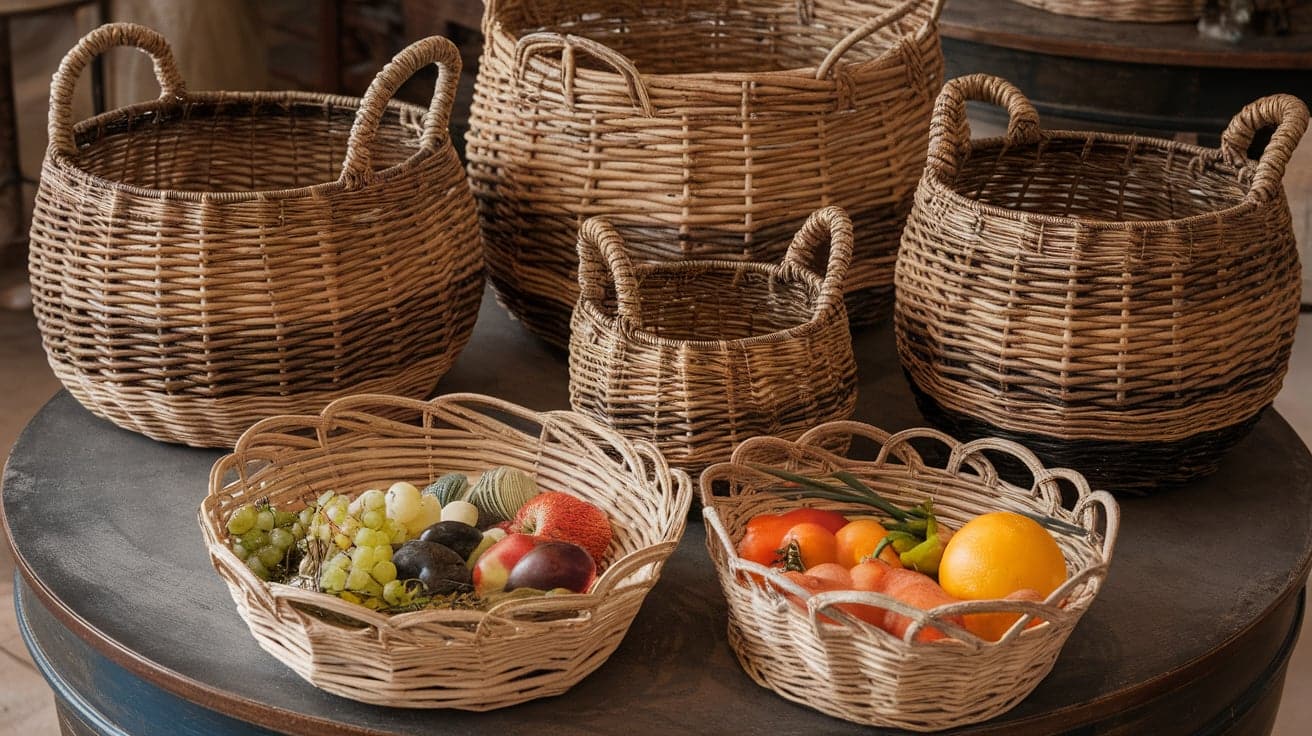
x=853, y=670
x=1131, y=11
x=701, y=130
x=696, y=356
x=1123, y=305
x=210, y=258
x=519, y=650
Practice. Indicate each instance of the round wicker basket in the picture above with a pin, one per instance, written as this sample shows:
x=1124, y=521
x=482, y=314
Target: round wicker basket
x=1129, y=11
x=519, y=650
x=701, y=130
x=822, y=658
x=696, y=356
x=207, y=259
x=1121, y=305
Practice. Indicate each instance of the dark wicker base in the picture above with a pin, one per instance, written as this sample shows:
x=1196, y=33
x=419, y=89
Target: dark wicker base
x=1122, y=468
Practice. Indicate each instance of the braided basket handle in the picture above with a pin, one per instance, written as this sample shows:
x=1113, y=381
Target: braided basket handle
x=535, y=43
x=805, y=9
x=1289, y=116
x=357, y=169
x=832, y=224
x=95, y=43
x=949, y=130
x=601, y=252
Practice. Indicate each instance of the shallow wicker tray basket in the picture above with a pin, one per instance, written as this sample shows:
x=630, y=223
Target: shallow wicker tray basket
x=519, y=650
x=207, y=259
x=696, y=356
x=1130, y=11
x=1121, y=305
x=700, y=130
x=850, y=669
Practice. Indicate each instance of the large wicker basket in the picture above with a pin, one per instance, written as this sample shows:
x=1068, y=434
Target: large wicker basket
x=696, y=356
x=822, y=658
x=210, y=258
x=1130, y=11
x=520, y=649
x=1121, y=305
x=701, y=130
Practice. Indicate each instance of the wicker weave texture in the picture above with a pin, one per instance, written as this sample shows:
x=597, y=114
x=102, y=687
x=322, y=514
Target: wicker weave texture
x=853, y=670
x=1129, y=11
x=519, y=650
x=696, y=356
x=700, y=130
x=1089, y=286
x=211, y=258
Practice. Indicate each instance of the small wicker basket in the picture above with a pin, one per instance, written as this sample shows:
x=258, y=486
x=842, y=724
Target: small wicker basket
x=1129, y=11
x=1121, y=305
x=696, y=356
x=700, y=130
x=195, y=267
x=519, y=650
x=852, y=670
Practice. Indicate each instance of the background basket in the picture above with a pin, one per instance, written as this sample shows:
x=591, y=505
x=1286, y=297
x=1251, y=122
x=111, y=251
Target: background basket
x=1121, y=305
x=853, y=670
x=697, y=356
x=1131, y=11
x=519, y=650
x=701, y=130
x=195, y=267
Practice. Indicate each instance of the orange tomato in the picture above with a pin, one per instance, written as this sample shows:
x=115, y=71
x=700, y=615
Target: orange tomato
x=815, y=543
x=763, y=538
x=858, y=539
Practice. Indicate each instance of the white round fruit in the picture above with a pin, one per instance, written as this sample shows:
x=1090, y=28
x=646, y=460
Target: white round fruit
x=402, y=502
x=461, y=511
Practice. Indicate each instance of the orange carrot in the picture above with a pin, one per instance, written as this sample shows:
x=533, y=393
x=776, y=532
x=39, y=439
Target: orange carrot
x=909, y=587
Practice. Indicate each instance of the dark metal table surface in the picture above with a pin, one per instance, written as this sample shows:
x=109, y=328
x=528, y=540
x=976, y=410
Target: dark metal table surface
x=136, y=633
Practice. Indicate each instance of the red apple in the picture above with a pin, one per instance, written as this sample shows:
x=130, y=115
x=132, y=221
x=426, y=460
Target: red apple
x=553, y=565
x=495, y=564
x=564, y=517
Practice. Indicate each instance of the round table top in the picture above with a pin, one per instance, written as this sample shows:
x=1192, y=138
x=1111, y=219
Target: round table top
x=103, y=524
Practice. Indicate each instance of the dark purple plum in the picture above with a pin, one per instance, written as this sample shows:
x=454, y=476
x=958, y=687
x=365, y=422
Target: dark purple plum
x=553, y=565
x=459, y=536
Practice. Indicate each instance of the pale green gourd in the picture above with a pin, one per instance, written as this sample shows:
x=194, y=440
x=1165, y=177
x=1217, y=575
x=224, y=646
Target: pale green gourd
x=448, y=488
x=500, y=492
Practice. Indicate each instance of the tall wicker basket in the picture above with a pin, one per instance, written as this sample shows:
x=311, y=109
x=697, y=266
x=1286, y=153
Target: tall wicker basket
x=700, y=130
x=1130, y=11
x=1121, y=305
x=207, y=259
x=697, y=356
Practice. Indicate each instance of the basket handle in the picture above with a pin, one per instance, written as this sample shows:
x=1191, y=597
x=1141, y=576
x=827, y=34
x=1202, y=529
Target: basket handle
x=1289, y=116
x=601, y=251
x=357, y=169
x=949, y=130
x=859, y=34
x=832, y=224
x=535, y=43
x=95, y=43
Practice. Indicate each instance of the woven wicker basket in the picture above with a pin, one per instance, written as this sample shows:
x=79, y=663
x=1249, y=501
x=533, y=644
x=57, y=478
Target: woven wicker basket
x=1121, y=305
x=696, y=356
x=1131, y=11
x=853, y=670
x=519, y=650
x=210, y=258
x=701, y=130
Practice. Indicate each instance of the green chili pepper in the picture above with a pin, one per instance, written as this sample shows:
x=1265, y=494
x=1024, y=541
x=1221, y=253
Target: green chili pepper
x=924, y=557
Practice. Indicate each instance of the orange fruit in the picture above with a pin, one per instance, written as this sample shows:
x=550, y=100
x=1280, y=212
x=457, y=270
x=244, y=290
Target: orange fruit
x=815, y=543
x=858, y=539
x=995, y=555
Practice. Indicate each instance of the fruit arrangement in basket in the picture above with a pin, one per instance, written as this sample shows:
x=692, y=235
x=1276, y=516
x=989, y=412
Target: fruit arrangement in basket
x=907, y=555
x=913, y=595
x=453, y=545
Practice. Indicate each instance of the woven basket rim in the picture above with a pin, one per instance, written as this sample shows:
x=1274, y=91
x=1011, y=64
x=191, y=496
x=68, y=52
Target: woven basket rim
x=942, y=188
x=67, y=167
x=819, y=320
x=731, y=77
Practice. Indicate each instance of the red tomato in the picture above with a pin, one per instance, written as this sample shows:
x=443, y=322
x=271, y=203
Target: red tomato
x=763, y=538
